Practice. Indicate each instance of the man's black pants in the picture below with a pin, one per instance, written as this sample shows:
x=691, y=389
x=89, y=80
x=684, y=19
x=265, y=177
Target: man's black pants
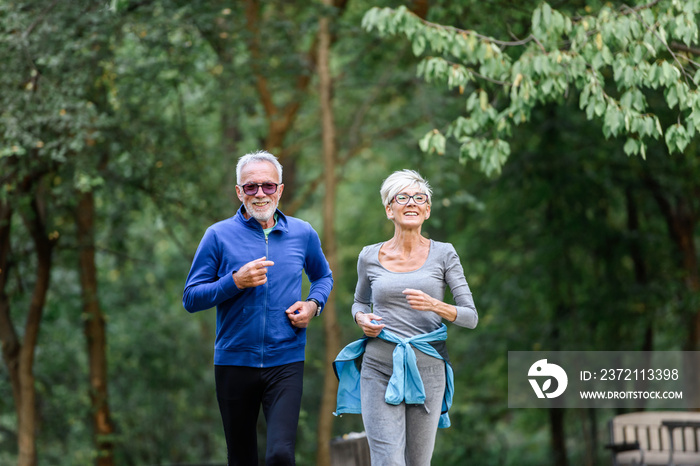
x=241, y=391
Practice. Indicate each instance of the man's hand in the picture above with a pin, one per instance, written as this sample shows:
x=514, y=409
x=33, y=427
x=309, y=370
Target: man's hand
x=252, y=274
x=301, y=313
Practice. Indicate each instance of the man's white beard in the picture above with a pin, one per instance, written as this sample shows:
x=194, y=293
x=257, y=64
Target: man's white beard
x=264, y=215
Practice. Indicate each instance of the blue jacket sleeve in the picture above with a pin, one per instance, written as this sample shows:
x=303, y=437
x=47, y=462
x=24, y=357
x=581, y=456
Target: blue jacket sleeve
x=204, y=287
x=317, y=269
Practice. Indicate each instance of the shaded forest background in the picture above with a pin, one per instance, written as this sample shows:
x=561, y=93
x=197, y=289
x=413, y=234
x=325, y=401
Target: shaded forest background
x=121, y=125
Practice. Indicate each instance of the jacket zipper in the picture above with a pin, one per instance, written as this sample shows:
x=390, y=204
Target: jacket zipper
x=267, y=290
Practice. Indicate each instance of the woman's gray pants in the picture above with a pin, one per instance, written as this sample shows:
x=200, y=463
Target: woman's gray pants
x=402, y=434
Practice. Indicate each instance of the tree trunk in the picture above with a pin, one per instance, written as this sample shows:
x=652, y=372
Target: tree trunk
x=681, y=220
x=592, y=451
x=330, y=321
x=26, y=404
x=641, y=275
x=560, y=298
x=8, y=334
x=280, y=117
x=556, y=423
x=94, y=329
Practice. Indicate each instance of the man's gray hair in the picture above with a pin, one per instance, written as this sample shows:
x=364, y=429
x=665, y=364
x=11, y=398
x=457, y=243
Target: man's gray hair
x=403, y=179
x=258, y=156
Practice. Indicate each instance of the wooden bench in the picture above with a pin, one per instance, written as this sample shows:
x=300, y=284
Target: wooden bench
x=655, y=438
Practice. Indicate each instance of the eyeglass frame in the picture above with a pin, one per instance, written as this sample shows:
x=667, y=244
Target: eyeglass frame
x=427, y=198
x=258, y=187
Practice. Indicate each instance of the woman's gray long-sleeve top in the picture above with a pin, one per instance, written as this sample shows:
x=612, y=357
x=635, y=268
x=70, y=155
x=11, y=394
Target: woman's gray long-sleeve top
x=379, y=290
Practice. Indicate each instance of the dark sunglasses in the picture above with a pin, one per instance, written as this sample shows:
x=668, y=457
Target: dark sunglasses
x=251, y=189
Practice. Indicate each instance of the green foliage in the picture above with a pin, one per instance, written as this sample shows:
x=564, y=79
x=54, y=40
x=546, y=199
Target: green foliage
x=611, y=59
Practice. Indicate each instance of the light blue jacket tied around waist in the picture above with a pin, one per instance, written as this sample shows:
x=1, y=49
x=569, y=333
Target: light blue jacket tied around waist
x=405, y=384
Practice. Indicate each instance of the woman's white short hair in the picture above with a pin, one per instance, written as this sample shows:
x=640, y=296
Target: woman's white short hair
x=401, y=179
x=259, y=156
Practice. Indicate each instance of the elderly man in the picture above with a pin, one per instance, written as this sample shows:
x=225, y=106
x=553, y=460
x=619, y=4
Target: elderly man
x=250, y=267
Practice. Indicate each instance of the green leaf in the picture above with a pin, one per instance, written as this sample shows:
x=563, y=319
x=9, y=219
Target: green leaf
x=424, y=142
x=483, y=100
x=536, y=17
x=118, y=5
x=546, y=15
x=631, y=146
x=585, y=95
x=433, y=141
x=684, y=99
x=600, y=107
x=671, y=96
x=369, y=20
x=613, y=120
x=671, y=138
x=682, y=139
x=418, y=45
x=590, y=110
x=439, y=143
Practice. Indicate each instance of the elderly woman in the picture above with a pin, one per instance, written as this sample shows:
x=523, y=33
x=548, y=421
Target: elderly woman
x=403, y=394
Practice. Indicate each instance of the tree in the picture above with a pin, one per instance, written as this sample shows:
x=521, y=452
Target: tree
x=48, y=123
x=330, y=154
x=19, y=353
x=612, y=59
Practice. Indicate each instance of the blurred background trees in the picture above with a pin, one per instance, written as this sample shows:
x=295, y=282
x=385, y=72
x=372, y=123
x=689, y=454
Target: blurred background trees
x=121, y=124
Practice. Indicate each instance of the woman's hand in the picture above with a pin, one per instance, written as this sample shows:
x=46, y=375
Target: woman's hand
x=365, y=323
x=421, y=301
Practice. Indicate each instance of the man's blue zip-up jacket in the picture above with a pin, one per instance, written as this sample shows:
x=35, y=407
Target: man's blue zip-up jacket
x=252, y=328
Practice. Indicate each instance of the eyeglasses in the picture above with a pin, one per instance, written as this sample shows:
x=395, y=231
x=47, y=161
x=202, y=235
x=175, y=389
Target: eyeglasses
x=251, y=189
x=418, y=198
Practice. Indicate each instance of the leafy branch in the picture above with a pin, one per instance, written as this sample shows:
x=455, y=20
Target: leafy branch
x=629, y=49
